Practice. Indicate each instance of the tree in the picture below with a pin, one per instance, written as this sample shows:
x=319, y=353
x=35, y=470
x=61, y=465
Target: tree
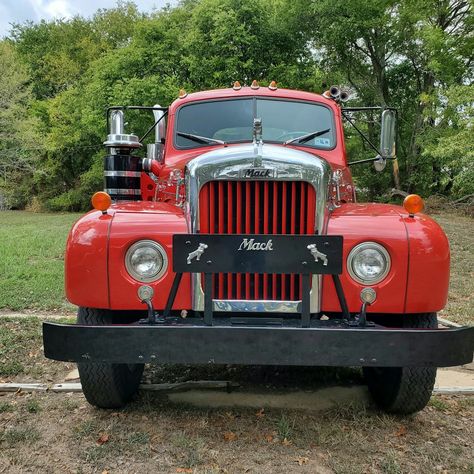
x=19, y=144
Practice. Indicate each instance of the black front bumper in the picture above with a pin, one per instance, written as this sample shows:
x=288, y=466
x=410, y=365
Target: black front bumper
x=324, y=343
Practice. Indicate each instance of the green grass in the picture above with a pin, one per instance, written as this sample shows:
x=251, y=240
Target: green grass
x=17, y=339
x=32, y=259
x=20, y=435
x=460, y=307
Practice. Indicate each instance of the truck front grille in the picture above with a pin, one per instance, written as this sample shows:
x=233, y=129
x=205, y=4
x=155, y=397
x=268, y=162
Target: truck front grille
x=257, y=207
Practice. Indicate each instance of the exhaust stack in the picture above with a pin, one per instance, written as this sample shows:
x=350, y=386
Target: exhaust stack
x=122, y=170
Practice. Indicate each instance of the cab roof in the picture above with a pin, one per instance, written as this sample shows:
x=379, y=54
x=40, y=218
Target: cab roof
x=262, y=91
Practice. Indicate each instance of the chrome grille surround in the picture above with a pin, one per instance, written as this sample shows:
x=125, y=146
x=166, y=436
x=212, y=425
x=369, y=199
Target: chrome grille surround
x=227, y=164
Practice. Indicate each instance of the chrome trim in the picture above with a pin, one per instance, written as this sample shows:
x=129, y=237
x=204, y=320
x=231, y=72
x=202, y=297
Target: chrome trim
x=256, y=306
x=146, y=243
x=124, y=174
x=125, y=191
x=368, y=245
x=227, y=164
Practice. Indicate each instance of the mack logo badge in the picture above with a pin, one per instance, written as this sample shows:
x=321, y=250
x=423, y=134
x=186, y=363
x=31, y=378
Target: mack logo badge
x=197, y=253
x=317, y=254
x=250, y=244
x=257, y=173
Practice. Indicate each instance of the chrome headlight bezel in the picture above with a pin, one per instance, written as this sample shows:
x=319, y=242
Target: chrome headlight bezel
x=150, y=244
x=360, y=248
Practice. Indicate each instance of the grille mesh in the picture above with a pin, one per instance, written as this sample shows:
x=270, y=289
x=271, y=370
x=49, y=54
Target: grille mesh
x=257, y=207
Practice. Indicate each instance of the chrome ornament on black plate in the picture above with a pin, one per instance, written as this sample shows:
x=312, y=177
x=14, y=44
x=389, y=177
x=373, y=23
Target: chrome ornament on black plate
x=197, y=253
x=317, y=254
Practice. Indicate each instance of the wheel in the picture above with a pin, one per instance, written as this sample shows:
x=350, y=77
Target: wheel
x=403, y=390
x=106, y=385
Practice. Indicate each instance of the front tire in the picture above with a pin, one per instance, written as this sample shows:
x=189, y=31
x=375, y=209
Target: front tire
x=106, y=385
x=403, y=390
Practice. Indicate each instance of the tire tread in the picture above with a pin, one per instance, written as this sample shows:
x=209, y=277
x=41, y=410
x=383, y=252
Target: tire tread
x=413, y=385
x=106, y=385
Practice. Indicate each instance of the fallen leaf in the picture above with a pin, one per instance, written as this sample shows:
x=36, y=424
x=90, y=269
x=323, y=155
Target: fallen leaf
x=105, y=471
x=260, y=413
x=286, y=442
x=302, y=460
x=230, y=436
x=184, y=469
x=104, y=438
x=73, y=375
x=402, y=431
x=269, y=438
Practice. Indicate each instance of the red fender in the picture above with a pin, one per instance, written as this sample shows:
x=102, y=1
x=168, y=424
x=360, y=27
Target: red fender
x=86, y=261
x=156, y=221
x=419, y=276
x=95, y=270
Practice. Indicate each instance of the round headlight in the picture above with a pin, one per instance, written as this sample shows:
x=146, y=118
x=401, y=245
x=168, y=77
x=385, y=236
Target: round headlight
x=368, y=263
x=146, y=261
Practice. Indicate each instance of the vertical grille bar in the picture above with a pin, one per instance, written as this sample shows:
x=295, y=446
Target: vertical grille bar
x=265, y=231
x=283, y=220
x=256, y=230
x=221, y=227
x=248, y=203
x=274, y=231
x=293, y=231
x=238, y=230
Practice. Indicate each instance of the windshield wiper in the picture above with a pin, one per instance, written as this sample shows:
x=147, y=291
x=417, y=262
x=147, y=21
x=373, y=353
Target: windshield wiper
x=307, y=137
x=199, y=139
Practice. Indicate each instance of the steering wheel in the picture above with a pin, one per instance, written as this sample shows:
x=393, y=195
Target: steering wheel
x=289, y=135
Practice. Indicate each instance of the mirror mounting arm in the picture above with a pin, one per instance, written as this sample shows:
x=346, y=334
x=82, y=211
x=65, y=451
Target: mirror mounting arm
x=369, y=160
x=364, y=137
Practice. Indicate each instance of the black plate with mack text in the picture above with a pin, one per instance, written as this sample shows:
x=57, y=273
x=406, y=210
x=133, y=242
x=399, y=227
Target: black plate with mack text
x=247, y=253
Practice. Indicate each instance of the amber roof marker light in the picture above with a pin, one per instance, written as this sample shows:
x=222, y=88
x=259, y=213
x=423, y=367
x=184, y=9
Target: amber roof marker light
x=413, y=204
x=101, y=201
x=273, y=86
x=255, y=85
x=236, y=86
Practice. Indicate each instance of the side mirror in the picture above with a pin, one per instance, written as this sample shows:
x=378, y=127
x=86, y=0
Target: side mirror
x=155, y=150
x=387, y=134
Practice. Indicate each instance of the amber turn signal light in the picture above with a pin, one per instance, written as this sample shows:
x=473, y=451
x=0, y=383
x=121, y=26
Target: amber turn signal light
x=413, y=204
x=101, y=201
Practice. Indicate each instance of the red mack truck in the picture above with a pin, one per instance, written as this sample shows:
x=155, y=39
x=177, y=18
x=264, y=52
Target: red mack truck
x=238, y=239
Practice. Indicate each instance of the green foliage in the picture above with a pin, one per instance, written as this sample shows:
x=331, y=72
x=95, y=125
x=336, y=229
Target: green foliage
x=18, y=141
x=414, y=55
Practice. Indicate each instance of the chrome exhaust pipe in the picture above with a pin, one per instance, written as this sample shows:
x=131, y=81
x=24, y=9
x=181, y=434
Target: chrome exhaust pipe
x=344, y=96
x=335, y=92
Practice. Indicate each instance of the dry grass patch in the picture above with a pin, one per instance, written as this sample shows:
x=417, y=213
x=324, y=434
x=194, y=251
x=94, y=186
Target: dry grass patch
x=152, y=435
x=21, y=352
x=459, y=229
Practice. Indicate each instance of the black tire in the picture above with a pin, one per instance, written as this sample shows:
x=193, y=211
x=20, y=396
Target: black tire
x=403, y=390
x=106, y=385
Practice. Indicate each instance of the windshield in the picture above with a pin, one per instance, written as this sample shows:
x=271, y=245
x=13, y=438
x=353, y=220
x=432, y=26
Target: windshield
x=231, y=121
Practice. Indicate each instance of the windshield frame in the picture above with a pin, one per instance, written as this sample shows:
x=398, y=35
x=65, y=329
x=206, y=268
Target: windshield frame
x=254, y=99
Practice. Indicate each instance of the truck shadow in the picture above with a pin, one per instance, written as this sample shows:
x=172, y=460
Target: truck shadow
x=282, y=387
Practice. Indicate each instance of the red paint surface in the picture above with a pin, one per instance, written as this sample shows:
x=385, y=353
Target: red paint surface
x=86, y=261
x=419, y=254
x=95, y=271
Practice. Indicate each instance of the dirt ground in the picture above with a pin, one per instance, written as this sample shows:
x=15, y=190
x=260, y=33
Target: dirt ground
x=47, y=432
x=51, y=432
